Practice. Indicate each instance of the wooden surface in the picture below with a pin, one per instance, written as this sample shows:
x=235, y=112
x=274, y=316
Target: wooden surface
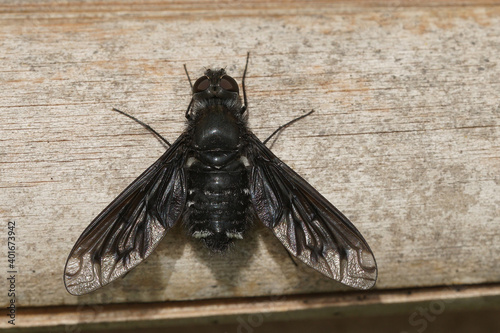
x=245, y=315
x=405, y=139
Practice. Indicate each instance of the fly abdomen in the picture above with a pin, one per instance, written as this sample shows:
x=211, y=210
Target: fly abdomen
x=217, y=203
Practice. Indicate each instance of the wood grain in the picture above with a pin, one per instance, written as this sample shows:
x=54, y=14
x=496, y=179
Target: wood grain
x=250, y=314
x=405, y=139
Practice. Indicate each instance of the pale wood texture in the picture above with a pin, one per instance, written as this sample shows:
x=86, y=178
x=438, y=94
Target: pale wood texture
x=252, y=313
x=405, y=138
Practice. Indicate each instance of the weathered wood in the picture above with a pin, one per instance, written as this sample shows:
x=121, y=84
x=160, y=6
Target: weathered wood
x=405, y=139
x=252, y=313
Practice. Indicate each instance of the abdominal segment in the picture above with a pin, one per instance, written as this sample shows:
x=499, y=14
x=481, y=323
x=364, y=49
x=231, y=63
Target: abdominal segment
x=217, y=203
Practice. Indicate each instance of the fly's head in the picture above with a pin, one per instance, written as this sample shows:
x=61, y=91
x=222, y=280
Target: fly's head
x=217, y=87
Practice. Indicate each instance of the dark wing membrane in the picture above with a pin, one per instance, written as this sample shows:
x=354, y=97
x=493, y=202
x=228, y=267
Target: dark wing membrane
x=309, y=226
x=130, y=228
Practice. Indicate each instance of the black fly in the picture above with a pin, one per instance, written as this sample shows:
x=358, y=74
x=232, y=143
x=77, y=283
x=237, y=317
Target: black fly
x=216, y=179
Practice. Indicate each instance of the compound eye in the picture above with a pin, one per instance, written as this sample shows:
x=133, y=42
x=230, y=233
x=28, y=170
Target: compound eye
x=229, y=84
x=201, y=84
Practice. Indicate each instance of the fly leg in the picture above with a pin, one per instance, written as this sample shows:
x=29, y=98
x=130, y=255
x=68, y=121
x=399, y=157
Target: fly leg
x=286, y=125
x=146, y=126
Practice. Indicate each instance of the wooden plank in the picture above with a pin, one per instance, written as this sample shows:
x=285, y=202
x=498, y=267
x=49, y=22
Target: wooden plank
x=404, y=140
x=251, y=313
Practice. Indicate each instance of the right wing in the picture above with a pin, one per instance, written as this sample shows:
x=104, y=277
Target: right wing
x=130, y=228
x=309, y=226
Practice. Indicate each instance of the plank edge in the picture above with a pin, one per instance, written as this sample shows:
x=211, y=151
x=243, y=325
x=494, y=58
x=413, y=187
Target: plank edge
x=272, y=308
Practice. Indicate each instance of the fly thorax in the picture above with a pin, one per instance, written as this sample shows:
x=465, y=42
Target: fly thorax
x=216, y=129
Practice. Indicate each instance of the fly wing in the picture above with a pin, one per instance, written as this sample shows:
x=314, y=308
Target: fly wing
x=129, y=229
x=309, y=226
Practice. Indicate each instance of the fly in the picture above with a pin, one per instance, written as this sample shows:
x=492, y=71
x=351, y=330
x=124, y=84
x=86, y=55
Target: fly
x=217, y=179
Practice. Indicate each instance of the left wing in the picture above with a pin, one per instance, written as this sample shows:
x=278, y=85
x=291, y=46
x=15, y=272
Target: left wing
x=128, y=230
x=309, y=226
